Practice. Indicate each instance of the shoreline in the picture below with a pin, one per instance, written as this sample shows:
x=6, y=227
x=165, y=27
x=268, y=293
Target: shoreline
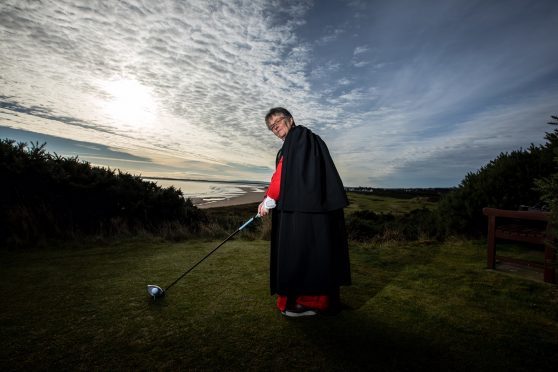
x=248, y=197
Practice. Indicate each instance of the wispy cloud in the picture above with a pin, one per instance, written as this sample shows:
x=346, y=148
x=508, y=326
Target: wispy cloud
x=214, y=69
x=360, y=50
x=330, y=36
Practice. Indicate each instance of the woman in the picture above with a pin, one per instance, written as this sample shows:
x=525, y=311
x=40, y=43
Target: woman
x=309, y=251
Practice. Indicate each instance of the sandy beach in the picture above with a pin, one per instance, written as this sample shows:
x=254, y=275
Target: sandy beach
x=247, y=198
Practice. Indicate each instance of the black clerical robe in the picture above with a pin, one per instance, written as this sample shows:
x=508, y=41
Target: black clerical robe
x=309, y=249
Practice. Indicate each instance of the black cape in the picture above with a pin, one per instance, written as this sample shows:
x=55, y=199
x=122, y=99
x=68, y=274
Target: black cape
x=309, y=250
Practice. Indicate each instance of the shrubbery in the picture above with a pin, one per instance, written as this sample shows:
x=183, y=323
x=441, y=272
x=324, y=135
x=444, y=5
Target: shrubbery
x=366, y=225
x=548, y=186
x=506, y=182
x=522, y=177
x=45, y=196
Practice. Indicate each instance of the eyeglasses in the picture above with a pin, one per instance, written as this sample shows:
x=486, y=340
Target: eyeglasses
x=273, y=127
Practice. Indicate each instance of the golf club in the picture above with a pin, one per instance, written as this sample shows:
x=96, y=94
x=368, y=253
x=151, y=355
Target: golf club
x=156, y=291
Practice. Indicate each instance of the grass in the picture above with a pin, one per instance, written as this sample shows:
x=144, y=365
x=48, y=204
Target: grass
x=412, y=306
x=521, y=251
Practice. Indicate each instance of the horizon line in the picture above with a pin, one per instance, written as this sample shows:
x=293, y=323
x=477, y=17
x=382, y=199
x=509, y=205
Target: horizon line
x=267, y=183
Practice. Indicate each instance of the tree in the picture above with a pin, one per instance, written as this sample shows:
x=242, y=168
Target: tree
x=506, y=182
x=548, y=186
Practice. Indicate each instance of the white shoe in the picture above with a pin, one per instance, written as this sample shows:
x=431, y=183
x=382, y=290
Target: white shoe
x=298, y=311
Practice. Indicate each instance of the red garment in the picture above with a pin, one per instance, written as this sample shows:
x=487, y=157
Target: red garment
x=319, y=302
x=274, y=189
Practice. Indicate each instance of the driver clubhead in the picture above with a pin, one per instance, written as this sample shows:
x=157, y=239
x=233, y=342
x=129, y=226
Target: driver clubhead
x=155, y=291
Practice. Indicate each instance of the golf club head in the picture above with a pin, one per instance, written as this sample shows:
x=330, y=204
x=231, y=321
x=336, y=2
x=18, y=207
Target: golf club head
x=155, y=291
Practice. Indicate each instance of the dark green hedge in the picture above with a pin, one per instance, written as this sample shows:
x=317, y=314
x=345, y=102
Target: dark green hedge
x=46, y=196
x=507, y=182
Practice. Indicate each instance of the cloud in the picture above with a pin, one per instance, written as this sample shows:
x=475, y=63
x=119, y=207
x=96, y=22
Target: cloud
x=447, y=95
x=68, y=148
x=360, y=63
x=398, y=87
x=330, y=36
x=401, y=155
x=360, y=50
x=214, y=69
x=8, y=104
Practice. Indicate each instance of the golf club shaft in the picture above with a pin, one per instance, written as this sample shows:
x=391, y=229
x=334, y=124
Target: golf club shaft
x=210, y=253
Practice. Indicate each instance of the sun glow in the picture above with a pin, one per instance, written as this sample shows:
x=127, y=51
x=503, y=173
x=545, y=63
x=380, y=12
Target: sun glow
x=129, y=102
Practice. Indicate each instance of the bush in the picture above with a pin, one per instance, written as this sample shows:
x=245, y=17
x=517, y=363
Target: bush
x=45, y=196
x=366, y=225
x=223, y=221
x=506, y=182
x=419, y=224
x=548, y=186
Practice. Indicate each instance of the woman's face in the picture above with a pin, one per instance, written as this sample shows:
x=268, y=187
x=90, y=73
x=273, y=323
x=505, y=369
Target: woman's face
x=280, y=125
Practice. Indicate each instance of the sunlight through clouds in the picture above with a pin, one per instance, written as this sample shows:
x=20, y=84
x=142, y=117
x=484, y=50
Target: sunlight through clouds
x=129, y=102
x=194, y=79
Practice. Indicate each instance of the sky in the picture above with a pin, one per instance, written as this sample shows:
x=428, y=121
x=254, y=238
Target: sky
x=405, y=93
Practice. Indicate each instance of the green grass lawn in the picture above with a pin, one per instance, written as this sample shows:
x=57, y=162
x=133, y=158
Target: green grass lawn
x=412, y=307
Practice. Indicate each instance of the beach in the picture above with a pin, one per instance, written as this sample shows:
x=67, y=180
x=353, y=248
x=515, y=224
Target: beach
x=248, y=197
x=215, y=194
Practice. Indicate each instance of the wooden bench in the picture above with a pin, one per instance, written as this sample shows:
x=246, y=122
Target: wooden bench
x=516, y=228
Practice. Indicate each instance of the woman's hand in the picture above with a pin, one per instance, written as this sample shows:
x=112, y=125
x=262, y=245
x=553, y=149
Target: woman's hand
x=265, y=206
x=262, y=210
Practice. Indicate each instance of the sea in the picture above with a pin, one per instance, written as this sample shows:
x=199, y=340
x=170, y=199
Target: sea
x=203, y=192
